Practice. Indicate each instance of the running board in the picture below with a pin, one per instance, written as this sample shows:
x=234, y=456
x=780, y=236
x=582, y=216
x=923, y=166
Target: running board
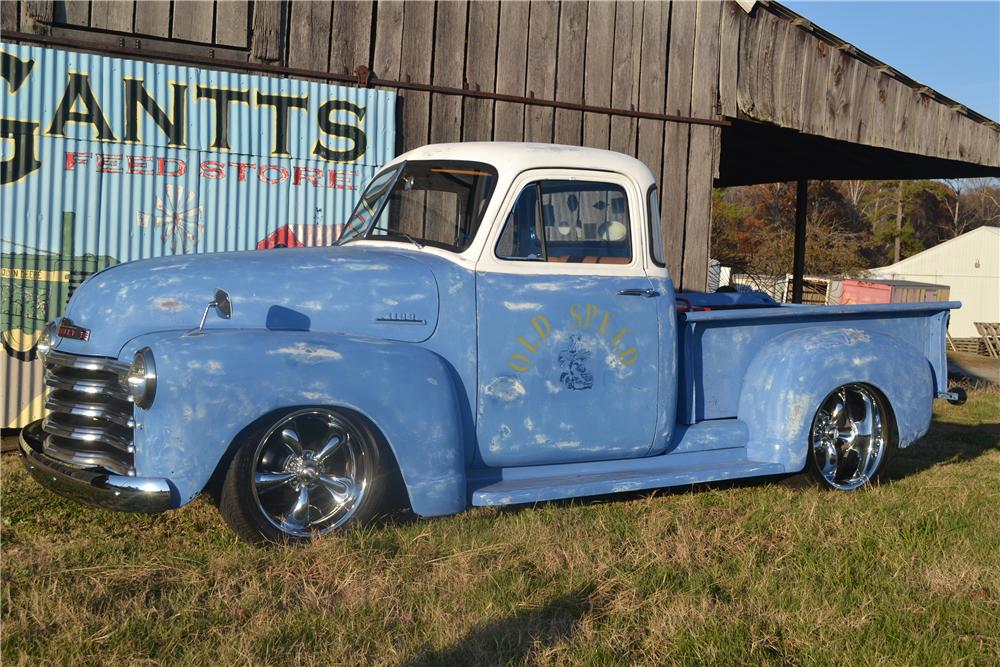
x=522, y=485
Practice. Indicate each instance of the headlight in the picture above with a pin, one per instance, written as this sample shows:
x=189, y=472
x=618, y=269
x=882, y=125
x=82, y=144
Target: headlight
x=142, y=378
x=44, y=344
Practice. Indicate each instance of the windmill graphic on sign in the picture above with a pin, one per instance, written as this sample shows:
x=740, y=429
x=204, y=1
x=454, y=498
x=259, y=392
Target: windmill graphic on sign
x=177, y=215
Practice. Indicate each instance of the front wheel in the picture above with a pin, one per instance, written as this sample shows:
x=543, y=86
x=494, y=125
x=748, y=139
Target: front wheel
x=850, y=438
x=304, y=474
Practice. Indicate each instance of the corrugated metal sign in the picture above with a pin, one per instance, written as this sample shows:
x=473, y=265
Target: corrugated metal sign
x=106, y=160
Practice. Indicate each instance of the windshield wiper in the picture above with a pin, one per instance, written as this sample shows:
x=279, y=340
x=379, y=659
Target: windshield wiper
x=420, y=246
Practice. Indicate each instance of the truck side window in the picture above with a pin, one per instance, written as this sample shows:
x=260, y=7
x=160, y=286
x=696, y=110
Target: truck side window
x=569, y=221
x=655, y=233
x=519, y=239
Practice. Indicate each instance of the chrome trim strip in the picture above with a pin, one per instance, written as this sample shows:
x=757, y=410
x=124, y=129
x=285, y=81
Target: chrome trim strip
x=95, y=409
x=56, y=358
x=86, y=385
x=82, y=458
x=115, y=492
x=93, y=434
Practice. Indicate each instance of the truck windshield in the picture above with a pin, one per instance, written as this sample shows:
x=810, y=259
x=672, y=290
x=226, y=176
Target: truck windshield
x=425, y=202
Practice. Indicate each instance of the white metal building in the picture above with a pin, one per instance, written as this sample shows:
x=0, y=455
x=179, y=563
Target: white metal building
x=970, y=265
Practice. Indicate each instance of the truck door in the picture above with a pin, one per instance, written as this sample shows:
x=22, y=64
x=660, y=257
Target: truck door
x=568, y=327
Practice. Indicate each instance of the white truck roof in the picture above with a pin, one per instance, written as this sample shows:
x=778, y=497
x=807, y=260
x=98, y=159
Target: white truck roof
x=511, y=158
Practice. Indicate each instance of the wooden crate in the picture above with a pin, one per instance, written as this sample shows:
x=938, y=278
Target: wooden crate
x=989, y=333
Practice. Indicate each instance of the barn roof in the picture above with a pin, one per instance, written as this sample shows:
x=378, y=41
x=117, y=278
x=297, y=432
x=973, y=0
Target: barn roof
x=807, y=104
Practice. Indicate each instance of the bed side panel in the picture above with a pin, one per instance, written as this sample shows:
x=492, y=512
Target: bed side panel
x=718, y=348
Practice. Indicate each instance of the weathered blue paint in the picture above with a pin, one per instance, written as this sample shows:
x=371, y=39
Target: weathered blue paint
x=708, y=435
x=538, y=483
x=789, y=378
x=666, y=429
x=455, y=337
x=212, y=385
x=720, y=345
x=495, y=385
x=568, y=369
x=350, y=290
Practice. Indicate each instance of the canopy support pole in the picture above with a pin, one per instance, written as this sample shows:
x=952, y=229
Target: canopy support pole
x=799, y=260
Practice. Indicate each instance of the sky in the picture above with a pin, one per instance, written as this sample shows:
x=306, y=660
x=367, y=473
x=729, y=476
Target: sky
x=951, y=46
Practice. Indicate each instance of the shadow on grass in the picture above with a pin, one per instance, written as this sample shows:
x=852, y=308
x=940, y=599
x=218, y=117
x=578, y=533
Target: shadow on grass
x=944, y=444
x=512, y=639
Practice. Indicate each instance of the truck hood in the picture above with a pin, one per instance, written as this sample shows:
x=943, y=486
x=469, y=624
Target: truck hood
x=360, y=291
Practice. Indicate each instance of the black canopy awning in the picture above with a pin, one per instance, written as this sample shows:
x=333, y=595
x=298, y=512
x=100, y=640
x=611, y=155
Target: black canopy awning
x=754, y=152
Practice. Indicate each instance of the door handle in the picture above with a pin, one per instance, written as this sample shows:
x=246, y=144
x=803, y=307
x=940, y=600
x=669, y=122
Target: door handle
x=639, y=292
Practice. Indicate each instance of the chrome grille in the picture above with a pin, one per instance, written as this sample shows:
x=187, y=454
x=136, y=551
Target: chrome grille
x=89, y=424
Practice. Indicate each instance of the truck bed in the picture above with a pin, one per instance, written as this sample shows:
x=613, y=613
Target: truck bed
x=717, y=346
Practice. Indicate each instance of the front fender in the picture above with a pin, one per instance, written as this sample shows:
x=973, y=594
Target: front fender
x=211, y=386
x=788, y=380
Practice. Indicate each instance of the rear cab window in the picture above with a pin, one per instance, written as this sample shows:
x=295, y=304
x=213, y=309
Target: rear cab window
x=655, y=232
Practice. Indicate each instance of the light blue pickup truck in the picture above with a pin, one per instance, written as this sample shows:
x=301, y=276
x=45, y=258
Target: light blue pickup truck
x=496, y=326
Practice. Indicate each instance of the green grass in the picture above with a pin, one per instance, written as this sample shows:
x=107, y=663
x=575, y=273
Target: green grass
x=907, y=573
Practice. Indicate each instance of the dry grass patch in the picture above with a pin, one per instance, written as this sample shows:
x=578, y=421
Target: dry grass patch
x=907, y=573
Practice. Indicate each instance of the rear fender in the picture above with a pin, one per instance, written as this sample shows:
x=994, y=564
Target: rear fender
x=211, y=386
x=788, y=380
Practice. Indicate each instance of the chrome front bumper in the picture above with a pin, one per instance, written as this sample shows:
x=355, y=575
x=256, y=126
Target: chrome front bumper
x=93, y=487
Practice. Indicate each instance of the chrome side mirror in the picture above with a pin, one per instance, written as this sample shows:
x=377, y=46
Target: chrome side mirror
x=223, y=306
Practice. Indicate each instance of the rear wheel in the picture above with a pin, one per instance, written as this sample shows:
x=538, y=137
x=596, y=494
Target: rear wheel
x=302, y=475
x=850, y=438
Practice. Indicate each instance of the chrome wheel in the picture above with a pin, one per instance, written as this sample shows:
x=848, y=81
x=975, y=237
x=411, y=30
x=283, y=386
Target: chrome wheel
x=849, y=437
x=311, y=471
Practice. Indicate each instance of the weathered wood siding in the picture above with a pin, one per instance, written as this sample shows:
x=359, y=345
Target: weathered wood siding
x=681, y=58
x=784, y=72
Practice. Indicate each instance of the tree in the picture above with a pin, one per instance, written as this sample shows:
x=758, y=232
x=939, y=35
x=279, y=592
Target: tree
x=753, y=229
x=864, y=199
x=953, y=201
x=982, y=202
x=851, y=225
x=971, y=203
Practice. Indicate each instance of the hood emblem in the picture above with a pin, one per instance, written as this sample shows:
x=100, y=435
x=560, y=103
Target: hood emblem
x=400, y=318
x=69, y=330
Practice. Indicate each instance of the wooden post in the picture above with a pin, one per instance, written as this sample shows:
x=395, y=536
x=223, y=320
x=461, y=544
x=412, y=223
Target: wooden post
x=899, y=222
x=267, y=38
x=799, y=260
